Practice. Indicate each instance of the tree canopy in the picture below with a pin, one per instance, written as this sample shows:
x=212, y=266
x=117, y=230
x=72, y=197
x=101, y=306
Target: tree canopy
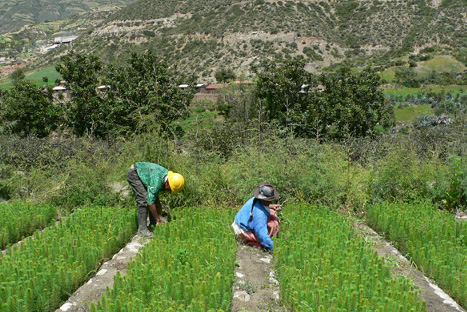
x=29, y=109
x=348, y=104
x=136, y=96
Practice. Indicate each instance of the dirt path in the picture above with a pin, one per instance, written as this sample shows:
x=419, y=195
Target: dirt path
x=436, y=299
x=92, y=291
x=256, y=288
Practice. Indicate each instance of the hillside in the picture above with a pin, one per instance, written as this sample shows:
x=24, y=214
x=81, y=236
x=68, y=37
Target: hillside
x=201, y=37
x=16, y=13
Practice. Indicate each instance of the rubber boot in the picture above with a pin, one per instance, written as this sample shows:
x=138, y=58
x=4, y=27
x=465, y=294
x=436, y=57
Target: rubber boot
x=142, y=223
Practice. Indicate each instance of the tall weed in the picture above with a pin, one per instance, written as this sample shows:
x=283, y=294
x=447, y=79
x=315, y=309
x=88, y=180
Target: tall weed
x=70, y=172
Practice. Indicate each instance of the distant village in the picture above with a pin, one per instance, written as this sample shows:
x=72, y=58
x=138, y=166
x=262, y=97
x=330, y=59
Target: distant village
x=10, y=63
x=207, y=92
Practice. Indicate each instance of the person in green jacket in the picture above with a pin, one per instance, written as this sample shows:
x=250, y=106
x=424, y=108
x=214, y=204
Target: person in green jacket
x=147, y=180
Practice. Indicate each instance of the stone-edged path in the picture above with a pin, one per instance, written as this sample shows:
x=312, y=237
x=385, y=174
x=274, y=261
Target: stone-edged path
x=92, y=291
x=256, y=288
x=436, y=299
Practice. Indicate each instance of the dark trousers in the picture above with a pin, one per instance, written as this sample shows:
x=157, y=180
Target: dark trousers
x=141, y=194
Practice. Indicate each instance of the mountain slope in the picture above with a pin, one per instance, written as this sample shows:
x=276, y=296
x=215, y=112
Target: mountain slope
x=16, y=13
x=348, y=22
x=201, y=37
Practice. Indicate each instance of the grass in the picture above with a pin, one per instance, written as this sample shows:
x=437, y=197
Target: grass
x=35, y=77
x=409, y=113
x=202, y=116
x=49, y=72
x=388, y=74
x=440, y=64
x=454, y=89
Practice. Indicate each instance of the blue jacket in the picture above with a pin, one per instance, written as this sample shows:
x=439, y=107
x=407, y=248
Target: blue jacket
x=259, y=224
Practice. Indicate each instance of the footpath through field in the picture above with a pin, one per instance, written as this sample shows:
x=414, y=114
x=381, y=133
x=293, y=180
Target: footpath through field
x=92, y=291
x=436, y=299
x=255, y=288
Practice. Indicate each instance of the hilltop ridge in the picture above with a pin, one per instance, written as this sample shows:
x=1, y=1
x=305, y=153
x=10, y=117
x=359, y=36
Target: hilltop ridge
x=201, y=37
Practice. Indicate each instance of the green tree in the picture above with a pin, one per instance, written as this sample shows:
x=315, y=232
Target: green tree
x=86, y=112
x=407, y=77
x=141, y=95
x=279, y=85
x=17, y=75
x=238, y=102
x=350, y=104
x=29, y=109
x=146, y=95
x=224, y=75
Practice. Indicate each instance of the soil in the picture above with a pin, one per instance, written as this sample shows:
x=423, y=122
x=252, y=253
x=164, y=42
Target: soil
x=256, y=288
x=6, y=70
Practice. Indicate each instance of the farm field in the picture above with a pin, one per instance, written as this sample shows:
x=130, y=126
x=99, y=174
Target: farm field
x=20, y=219
x=435, y=241
x=39, y=273
x=187, y=266
x=35, y=77
x=323, y=265
x=362, y=133
x=409, y=113
x=321, y=261
x=405, y=91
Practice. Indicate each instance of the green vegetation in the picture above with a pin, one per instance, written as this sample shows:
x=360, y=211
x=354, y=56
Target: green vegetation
x=200, y=116
x=41, y=273
x=439, y=64
x=404, y=92
x=49, y=72
x=18, y=13
x=324, y=265
x=410, y=113
x=351, y=104
x=145, y=89
x=433, y=239
x=347, y=176
x=187, y=266
x=388, y=74
x=28, y=109
x=19, y=219
x=335, y=148
x=35, y=77
x=201, y=42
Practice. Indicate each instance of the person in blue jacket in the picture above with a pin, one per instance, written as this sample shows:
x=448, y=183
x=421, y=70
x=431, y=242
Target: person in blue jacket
x=257, y=222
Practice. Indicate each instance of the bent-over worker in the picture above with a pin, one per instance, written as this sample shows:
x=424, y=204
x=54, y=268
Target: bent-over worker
x=257, y=222
x=147, y=180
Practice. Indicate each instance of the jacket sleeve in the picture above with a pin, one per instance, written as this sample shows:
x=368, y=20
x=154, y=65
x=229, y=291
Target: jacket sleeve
x=261, y=228
x=153, y=194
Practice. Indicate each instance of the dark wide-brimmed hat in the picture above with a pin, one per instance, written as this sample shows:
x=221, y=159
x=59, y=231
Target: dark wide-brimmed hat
x=266, y=191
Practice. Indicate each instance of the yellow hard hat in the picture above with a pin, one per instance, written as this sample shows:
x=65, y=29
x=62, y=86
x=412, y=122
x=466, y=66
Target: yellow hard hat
x=176, y=182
